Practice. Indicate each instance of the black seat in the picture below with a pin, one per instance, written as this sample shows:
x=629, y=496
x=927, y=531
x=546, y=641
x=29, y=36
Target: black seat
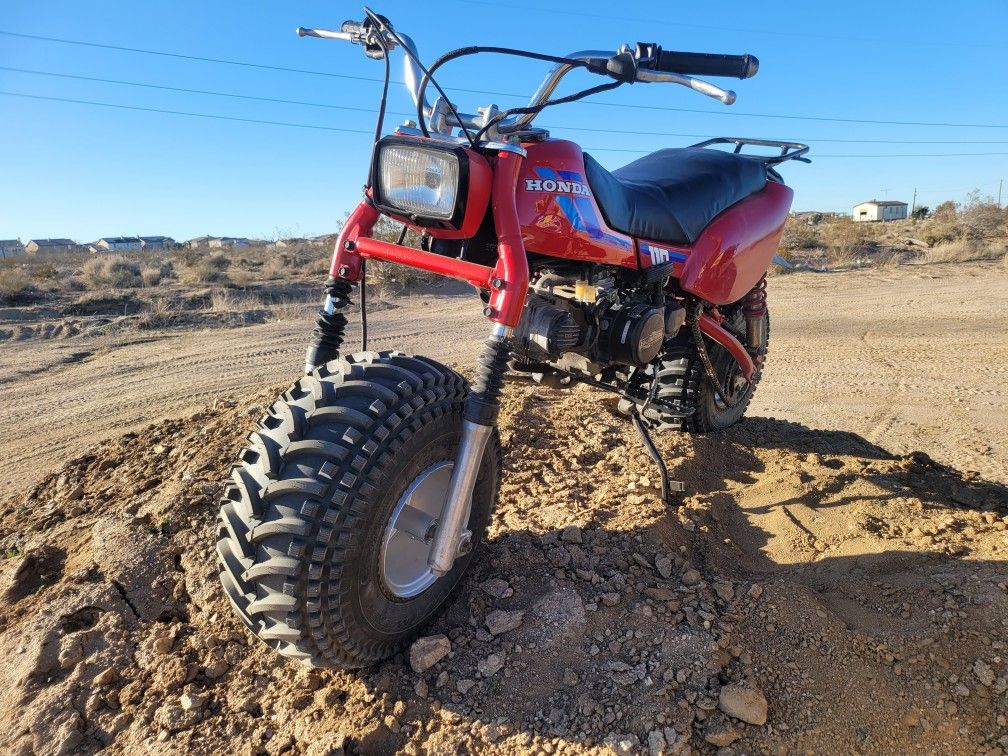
x=671, y=195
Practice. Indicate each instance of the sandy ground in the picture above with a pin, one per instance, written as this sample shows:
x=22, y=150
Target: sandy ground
x=912, y=358
x=834, y=581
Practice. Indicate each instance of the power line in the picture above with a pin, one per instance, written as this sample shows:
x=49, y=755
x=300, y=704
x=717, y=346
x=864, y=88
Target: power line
x=186, y=113
x=328, y=106
x=187, y=91
x=662, y=108
x=804, y=34
x=213, y=116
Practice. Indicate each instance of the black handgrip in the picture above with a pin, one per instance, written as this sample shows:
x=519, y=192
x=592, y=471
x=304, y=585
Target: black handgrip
x=707, y=64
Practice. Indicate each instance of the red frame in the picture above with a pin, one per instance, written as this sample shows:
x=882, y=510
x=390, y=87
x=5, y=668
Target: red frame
x=507, y=281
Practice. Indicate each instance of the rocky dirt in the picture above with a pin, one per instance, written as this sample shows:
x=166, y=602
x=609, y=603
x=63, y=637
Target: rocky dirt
x=815, y=590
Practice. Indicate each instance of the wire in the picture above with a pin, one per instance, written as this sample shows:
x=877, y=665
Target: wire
x=556, y=127
x=211, y=116
x=185, y=113
x=502, y=94
x=780, y=32
x=184, y=90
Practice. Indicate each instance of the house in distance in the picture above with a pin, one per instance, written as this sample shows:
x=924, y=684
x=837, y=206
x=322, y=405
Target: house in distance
x=880, y=210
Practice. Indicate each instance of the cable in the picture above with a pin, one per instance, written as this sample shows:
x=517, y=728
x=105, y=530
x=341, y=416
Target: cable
x=651, y=21
x=185, y=113
x=184, y=90
x=505, y=94
x=211, y=116
x=557, y=127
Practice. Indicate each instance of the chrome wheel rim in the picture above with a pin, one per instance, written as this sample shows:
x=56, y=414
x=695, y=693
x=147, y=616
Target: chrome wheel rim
x=403, y=559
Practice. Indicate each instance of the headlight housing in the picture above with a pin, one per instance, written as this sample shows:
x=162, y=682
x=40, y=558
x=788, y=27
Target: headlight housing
x=435, y=185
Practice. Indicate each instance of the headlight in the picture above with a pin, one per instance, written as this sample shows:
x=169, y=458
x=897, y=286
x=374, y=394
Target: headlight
x=419, y=181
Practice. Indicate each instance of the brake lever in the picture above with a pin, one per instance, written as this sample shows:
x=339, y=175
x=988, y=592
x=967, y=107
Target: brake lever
x=725, y=96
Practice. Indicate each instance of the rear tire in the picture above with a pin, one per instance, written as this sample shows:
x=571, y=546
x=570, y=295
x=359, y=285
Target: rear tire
x=683, y=382
x=304, y=518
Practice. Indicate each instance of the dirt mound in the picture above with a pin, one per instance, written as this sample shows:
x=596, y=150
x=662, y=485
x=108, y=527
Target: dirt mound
x=812, y=592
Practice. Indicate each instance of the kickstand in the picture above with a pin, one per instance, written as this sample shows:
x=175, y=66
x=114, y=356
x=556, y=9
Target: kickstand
x=667, y=486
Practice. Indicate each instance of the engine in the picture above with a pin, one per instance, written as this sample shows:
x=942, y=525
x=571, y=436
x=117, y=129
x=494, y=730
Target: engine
x=577, y=326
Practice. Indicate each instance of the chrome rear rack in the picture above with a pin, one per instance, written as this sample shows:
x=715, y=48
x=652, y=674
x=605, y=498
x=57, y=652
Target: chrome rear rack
x=788, y=150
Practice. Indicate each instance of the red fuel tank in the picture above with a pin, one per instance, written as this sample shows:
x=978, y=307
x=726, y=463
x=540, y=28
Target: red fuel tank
x=557, y=212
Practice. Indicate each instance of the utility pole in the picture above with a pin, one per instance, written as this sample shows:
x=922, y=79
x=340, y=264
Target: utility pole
x=1000, y=185
x=913, y=202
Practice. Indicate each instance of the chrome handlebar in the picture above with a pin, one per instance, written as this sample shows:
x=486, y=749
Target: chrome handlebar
x=356, y=33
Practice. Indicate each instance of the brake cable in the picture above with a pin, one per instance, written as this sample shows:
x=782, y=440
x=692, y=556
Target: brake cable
x=385, y=28
x=475, y=49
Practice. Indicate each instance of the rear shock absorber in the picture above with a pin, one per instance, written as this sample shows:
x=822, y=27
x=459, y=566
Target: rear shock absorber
x=330, y=327
x=754, y=307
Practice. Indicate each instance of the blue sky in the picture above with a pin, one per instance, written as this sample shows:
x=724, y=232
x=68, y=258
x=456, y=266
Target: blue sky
x=86, y=171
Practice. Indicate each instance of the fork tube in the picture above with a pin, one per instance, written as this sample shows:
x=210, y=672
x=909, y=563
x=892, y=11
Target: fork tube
x=452, y=538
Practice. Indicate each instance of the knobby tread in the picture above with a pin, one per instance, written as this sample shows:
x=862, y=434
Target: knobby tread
x=300, y=495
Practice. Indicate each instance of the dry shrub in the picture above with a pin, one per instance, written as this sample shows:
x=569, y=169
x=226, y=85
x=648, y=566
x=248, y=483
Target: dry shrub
x=279, y=265
x=154, y=274
x=240, y=278
x=226, y=300
x=160, y=312
x=941, y=232
x=207, y=268
x=391, y=279
x=317, y=266
x=946, y=212
x=112, y=272
x=963, y=250
x=981, y=217
x=799, y=235
x=14, y=284
x=845, y=240
x=44, y=272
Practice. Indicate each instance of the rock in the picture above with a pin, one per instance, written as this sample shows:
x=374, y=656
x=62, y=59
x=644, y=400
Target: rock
x=744, y=702
x=491, y=665
x=76, y=493
x=557, y=617
x=217, y=669
x=421, y=688
x=428, y=651
x=192, y=701
x=609, y=599
x=497, y=587
x=983, y=673
x=105, y=678
x=559, y=556
x=755, y=591
x=501, y=621
x=690, y=577
x=663, y=564
x=724, y=591
x=463, y=686
x=661, y=594
x=571, y=534
x=657, y=744
x=162, y=644
x=720, y=732
x=622, y=745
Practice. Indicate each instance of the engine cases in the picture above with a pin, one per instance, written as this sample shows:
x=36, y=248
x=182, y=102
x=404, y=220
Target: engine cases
x=560, y=218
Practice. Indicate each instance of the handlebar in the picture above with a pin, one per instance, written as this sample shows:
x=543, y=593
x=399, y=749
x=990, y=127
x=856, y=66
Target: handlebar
x=707, y=64
x=652, y=65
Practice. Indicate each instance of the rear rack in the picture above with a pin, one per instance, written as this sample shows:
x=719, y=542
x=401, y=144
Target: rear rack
x=789, y=150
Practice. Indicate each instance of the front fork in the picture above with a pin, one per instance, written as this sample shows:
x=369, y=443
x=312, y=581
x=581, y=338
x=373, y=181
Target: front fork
x=507, y=283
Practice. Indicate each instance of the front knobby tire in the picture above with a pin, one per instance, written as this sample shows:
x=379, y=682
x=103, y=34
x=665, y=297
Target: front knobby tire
x=303, y=519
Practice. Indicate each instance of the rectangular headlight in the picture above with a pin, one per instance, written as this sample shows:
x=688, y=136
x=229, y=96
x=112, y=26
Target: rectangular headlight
x=421, y=182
